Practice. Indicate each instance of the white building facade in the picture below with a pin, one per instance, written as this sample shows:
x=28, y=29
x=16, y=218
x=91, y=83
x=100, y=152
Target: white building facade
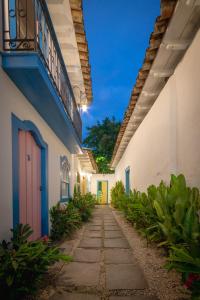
x=40, y=103
x=160, y=134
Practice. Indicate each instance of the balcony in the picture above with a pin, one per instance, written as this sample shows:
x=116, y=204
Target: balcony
x=33, y=60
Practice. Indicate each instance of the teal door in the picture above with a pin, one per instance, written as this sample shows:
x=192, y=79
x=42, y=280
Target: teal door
x=127, y=180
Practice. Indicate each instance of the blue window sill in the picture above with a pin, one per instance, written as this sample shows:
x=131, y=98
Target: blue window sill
x=64, y=200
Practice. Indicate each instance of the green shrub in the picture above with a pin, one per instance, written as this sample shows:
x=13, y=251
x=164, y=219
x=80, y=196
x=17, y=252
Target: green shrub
x=140, y=211
x=138, y=207
x=65, y=218
x=97, y=200
x=84, y=204
x=168, y=215
x=24, y=263
x=176, y=207
x=117, y=192
x=187, y=261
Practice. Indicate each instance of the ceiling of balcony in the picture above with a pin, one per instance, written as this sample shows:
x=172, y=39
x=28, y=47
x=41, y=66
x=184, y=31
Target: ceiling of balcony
x=61, y=16
x=87, y=161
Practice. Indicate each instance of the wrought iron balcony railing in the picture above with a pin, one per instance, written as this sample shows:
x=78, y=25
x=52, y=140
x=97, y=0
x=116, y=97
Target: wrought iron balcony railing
x=28, y=27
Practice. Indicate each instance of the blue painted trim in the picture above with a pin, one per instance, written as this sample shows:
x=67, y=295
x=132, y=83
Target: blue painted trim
x=127, y=180
x=65, y=199
x=17, y=125
x=29, y=73
x=98, y=181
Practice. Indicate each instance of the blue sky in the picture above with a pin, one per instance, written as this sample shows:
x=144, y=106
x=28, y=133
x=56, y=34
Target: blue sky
x=118, y=33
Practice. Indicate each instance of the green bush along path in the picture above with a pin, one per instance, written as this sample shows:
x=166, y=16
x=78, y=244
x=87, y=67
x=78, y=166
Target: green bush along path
x=170, y=216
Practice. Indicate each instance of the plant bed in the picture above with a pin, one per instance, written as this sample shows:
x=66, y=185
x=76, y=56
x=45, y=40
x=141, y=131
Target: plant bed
x=24, y=263
x=85, y=204
x=168, y=216
x=165, y=284
x=68, y=217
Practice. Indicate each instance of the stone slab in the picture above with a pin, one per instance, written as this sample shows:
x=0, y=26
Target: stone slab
x=71, y=296
x=79, y=274
x=97, y=220
x=118, y=212
x=133, y=298
x=113, y=234
x=124, y=276
x=118, y=256
x=111, y=227
x=112, y=223
x=97, y=214
x=93, y=234
x=94, y=227
x=109, y=218
x=87, y=255
x=116, y=243
x=90, y=243
x=96, y=223
x=108, y=215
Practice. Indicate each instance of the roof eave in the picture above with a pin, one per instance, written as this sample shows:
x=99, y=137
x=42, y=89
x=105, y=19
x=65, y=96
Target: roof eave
x=162, y=39
x=77, y=16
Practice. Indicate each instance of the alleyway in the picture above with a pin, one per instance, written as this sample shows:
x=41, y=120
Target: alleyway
x=103, y=265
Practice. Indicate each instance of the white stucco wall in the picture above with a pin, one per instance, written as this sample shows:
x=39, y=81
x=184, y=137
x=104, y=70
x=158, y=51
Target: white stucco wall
x=167, y=141
x=98, y=177
x=13, y=101
x=1, y=25
x=188, y=114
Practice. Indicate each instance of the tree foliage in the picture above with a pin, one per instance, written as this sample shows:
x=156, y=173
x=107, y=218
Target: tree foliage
x=101, y=139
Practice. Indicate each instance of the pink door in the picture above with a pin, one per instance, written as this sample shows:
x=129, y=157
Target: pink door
x=29, y=183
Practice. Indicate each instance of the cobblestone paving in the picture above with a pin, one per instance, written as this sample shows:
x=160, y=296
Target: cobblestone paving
x=103, y=267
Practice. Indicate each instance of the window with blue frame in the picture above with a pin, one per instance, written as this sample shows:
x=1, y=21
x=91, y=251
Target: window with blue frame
x=127, y=180
x=65, y=180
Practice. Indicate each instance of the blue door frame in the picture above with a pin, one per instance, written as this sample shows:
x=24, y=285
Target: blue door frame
x=98, y=189
x=17, y=125
x=127, y=180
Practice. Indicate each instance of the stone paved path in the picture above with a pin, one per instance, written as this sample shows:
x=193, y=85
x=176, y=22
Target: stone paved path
x=103, y=266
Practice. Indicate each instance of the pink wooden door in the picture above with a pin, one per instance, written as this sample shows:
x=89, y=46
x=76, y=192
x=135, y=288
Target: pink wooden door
x=29, y=183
